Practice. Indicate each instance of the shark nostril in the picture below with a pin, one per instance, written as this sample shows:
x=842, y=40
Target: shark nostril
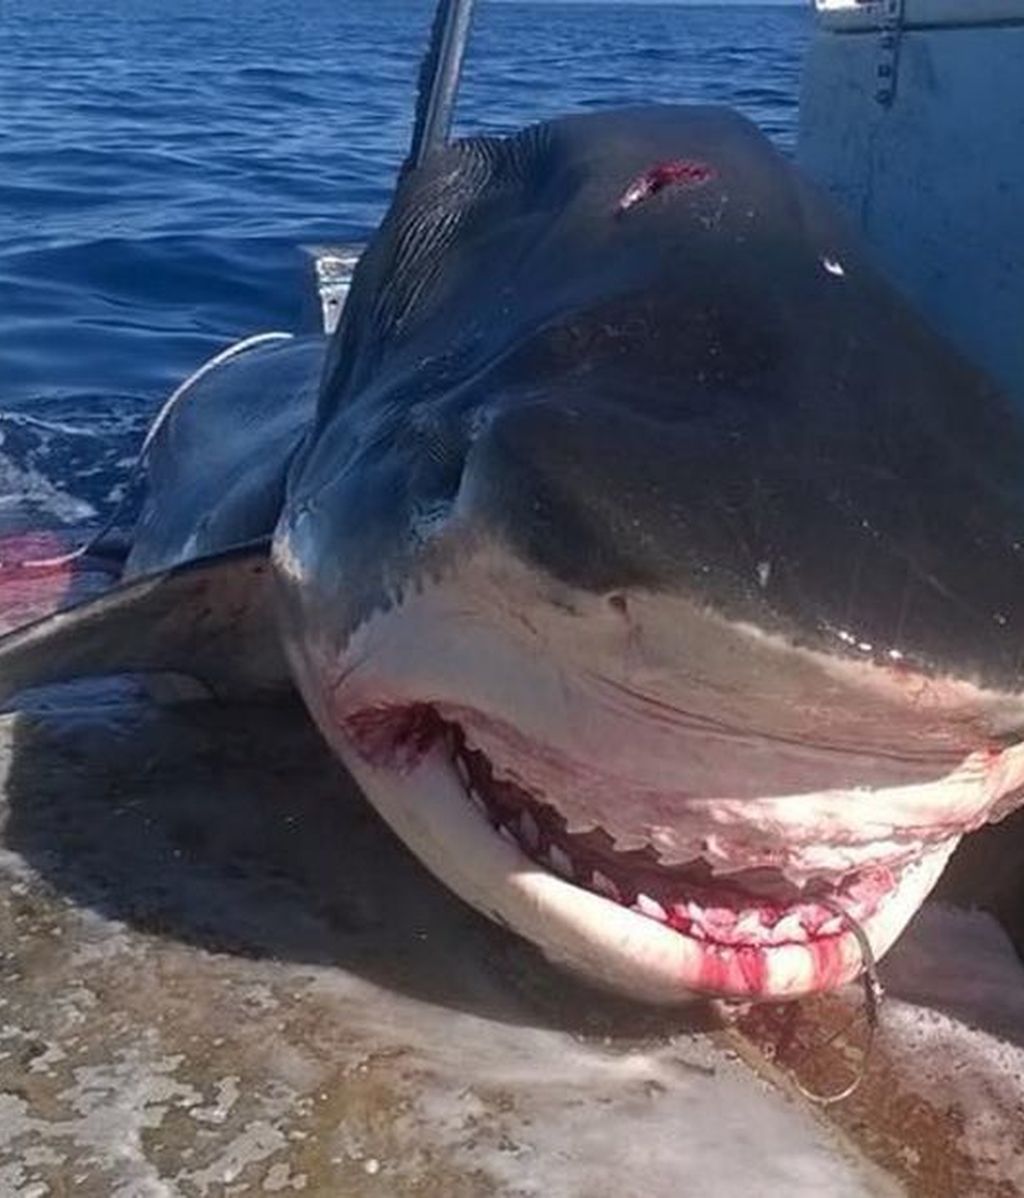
x=619, y=604
x=441, y=482
x=438, y=448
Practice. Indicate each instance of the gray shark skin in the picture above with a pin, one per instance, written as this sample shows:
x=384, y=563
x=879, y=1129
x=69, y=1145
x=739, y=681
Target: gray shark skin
x=216, y=472
x=742, y=401
x=648, y=562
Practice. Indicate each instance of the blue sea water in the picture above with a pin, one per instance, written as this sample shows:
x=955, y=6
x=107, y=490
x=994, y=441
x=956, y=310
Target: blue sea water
x=167, y=166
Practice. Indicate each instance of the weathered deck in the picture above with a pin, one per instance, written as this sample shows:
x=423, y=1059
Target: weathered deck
x=221, y=975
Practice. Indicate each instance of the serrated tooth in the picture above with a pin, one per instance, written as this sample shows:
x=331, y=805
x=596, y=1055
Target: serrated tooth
x=477, y=800
x=692, y=912
x=681, y=913
x=506, y=833
x=749, y=925
x=721, y=918
x=528, y=830
x=650, y=907
x=696, y=931
x=831, y=927
x=560, y=860
x=789, y=928
x=604, y=885
x=462, y=770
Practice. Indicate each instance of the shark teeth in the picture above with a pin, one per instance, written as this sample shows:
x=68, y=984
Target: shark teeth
x=604, y=885
x=560, y=861
x=650, y=907
x=529, y=831
x=749, y=926
x=733, y=921
x=790, y=928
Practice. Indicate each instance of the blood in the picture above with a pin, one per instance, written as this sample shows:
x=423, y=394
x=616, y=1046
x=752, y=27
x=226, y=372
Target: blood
x=395, y=737
x=732, y=971
x=744, y=970
x=751, y=965
x=831, y=966
x=30, y=591
x=680, y=172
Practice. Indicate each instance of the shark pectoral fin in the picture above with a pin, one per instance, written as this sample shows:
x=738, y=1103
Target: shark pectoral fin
x=209, y=619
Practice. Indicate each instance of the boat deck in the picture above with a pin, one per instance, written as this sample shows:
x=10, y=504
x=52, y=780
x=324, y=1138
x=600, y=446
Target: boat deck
x=222, y=975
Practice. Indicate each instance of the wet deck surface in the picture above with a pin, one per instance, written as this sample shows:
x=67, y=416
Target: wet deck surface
x=222, y=975
x=941, y=1105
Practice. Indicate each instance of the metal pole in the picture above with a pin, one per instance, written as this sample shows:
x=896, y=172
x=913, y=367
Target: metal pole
x=439, y=78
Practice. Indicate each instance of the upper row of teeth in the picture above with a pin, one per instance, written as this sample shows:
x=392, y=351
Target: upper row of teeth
x=720, y=924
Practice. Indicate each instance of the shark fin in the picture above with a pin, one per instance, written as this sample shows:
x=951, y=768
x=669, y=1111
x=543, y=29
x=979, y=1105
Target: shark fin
x=209, y=619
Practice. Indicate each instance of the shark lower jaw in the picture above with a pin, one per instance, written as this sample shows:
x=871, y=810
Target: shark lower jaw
x=663, y=933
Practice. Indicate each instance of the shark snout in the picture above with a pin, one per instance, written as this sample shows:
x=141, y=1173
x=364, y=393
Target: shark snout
x=607, y=500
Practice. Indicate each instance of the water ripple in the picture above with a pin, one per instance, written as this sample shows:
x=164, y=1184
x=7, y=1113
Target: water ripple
x=164, y=163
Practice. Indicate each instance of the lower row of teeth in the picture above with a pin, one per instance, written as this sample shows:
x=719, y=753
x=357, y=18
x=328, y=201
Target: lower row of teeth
x=721, y=925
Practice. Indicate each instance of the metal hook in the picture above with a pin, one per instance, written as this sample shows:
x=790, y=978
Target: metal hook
x=874, y=993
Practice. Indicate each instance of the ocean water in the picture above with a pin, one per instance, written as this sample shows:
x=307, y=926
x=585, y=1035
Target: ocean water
x=167, y=167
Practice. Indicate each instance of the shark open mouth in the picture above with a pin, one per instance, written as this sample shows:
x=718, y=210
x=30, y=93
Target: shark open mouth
x=733, y=929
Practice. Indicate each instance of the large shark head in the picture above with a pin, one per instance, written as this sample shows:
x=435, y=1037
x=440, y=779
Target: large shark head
x=656, y=572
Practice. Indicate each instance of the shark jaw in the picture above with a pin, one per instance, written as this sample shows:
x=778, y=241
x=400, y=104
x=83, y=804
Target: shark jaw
x=715, y=939
x=662, y=801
